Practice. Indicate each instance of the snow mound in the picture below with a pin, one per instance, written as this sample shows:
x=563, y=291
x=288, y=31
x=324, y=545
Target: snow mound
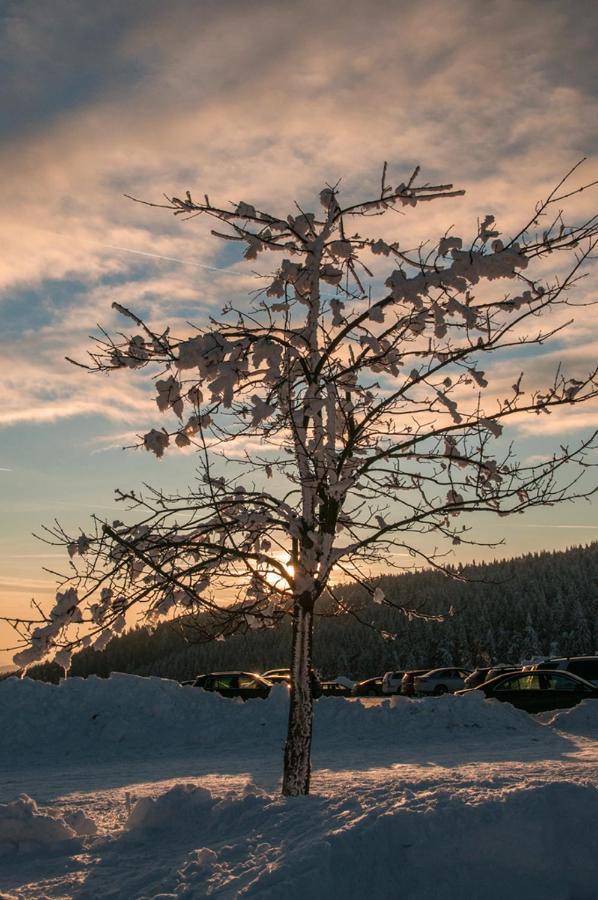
x=533, y=842
x=581, y=719
x=428, y=719
x=25, y=828
x=127, y=717
x=181, y=804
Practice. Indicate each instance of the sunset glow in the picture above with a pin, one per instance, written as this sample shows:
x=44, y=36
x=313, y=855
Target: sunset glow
x=145, y=99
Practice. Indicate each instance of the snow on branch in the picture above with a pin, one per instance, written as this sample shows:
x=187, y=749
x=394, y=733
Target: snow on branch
x=338, y=420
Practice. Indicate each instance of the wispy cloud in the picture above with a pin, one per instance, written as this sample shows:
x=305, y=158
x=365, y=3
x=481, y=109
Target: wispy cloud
x=574, y=527
x=245, y=103
x=188, y=117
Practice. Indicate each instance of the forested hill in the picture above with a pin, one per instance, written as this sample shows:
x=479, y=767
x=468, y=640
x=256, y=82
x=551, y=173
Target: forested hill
x=507, y=611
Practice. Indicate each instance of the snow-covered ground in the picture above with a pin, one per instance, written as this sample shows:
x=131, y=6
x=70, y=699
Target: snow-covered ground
x=139, y=788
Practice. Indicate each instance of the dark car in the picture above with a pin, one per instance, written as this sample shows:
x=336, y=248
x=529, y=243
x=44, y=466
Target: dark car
x=538, y=691
x=278, y=678
x=246, y=685
x=277, y=674
x=485, y=673
x=477, y=677
x=284, y=675
x=584, y=666
x=370, y=687
x=408, y=681
x=335, y=689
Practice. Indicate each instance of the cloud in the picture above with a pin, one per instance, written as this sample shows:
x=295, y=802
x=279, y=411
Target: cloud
x=263, y=102
x=535, y=525
x=239, y=102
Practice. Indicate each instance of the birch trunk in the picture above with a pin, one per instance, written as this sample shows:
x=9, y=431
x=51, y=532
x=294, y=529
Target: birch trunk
x=297, y=754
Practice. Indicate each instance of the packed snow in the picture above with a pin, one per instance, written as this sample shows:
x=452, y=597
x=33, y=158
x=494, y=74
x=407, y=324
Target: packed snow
x=138, y=788
x=98, y=719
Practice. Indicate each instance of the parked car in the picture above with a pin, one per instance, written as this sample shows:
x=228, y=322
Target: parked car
x=391, y=682
x=335, y=689
x=477, y=677
x=278, y=677
x=408, y=681
x=584, y=666
x=370, y=687
x=485, y=673
x=284, y=675
x=246, y=685
x=539, y=691
x=271, y=674
x=441, y=681
x=495, y=671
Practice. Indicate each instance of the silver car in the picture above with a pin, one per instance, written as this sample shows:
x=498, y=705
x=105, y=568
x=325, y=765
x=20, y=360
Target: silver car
x=441, y=681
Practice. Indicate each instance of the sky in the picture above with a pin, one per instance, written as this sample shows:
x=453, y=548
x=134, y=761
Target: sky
x=263, y=102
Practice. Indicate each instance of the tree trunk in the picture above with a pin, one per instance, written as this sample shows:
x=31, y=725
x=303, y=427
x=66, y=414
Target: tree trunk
x=297, y=753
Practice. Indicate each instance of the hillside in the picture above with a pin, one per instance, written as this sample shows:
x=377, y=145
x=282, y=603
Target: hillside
x=504, y=611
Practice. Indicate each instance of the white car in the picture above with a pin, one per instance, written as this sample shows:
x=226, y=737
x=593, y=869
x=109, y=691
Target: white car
x=391, y=682
x=441, y=681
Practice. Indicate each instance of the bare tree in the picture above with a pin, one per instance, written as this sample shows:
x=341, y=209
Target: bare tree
x=376, y=425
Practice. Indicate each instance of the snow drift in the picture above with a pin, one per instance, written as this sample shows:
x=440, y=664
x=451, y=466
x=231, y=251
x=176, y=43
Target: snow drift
x=24, y=828
x=535, y=842
x=581, y=719
x=473, y=786
x=126, y=716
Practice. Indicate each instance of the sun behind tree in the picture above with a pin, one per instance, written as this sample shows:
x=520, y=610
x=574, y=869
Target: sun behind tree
x=376, y=421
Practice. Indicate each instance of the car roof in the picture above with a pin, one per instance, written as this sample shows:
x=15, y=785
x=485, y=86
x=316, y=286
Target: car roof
x=235, y=672
x=441, y=669
x=560, y=659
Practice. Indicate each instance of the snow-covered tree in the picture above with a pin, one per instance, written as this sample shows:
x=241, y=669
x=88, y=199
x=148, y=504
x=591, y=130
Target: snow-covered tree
x=346, y=417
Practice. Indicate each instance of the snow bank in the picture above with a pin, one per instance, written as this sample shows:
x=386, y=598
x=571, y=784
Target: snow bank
x=428, y=719
x=581, y=719
x=126, y=717
x=25, y=828
x=129, y=717
x=535, y=842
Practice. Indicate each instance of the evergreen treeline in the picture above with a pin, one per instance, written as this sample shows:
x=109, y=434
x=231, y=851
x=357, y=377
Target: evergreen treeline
x=505, y=611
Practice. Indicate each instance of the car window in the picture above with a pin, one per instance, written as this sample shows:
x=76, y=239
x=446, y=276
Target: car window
x=520, y=683
x=223, y=682
x=561, y=683
x=246, y=681
x=463, y=674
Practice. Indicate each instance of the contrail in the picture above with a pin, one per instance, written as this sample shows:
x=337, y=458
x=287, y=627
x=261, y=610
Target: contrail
x=185, y=262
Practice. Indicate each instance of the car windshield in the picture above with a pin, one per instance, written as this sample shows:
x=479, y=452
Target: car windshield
x=249, y=681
